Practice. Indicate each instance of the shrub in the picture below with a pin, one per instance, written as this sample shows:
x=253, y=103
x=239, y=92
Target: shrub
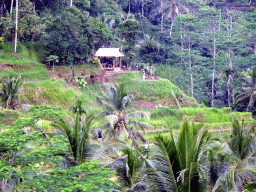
x=95, y=62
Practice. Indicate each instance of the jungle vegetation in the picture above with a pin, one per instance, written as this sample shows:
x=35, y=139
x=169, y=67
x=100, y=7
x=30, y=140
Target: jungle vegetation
x=153, y=139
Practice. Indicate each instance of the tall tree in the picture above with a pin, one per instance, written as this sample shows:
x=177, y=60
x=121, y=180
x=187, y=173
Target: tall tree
x=210, y=19
x=69, y=36
x=16, y=26
x=247, y=93
x=128, y=31
x=188, y=26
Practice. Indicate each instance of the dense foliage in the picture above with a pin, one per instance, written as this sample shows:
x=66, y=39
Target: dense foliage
x=206, y=48
x=210, y=43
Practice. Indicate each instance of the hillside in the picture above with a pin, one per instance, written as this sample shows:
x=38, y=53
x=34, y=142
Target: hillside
x=205, y=48
x=128, y=95
x=46, y=88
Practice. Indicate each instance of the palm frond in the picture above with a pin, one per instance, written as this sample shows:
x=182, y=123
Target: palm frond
x=161, y=176
x=140, y=125
x=112, y=93
x=138, y=115
x=103, y=150
x=235, y=179
x=126, y=101
x=112, y=120
x=84, y=136
x=66, y=129
x=107, y=107
x=161, y=173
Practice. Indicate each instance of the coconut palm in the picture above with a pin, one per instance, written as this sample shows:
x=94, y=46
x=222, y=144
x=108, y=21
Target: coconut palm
x=176, y=162
x=174, y=10
x=78, y=108
x=249, y=92
x=239, y=168
x=77, y=135
x=119, y=118
x=129, y=163
x=10, y=91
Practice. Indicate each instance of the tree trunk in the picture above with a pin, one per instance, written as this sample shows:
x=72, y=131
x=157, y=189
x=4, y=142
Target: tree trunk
x=181, y=43
x=16, y=27
x=71, y=3
x=213, y=72
x=11, y=9
x=230, y=64
x=162, y=16
x=229, y=77
x=233, y=95
x=254, y=47
x=142, y=28
x=34, y=6
x=142, y=8
x=191, y=73
x=176, y=100
x=129, y=6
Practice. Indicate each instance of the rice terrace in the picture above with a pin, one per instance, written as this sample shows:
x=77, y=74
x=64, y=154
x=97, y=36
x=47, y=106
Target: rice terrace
x=128, y=95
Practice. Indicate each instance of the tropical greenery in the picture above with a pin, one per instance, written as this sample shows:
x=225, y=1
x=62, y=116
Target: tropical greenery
x=186, y=124
x=118, y=117
x=10, y=91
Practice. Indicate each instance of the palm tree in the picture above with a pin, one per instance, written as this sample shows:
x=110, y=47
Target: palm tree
x=78, y=137
x=9, y=92
x=239, y=168
x=175, y=9
x=129, y=163
x=176, y=163
x=78, y=108
x=119, y=118
x=249, y=91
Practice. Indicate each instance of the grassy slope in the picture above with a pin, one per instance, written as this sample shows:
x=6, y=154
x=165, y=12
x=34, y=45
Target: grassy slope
x=24, y=63
x=39, y=89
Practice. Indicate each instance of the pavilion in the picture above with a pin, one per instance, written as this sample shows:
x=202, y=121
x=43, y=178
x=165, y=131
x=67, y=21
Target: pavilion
x=110, y=58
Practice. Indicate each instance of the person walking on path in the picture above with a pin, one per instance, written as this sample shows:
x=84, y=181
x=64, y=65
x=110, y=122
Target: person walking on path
x=99, y=135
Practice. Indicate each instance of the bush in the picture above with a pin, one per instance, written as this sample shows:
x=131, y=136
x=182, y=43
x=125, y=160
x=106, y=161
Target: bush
x=95, y=62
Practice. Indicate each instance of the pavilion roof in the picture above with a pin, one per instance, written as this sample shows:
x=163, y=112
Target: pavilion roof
x=109, y=52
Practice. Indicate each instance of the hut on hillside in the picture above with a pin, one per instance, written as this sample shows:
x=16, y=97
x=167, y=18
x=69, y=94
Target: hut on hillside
x=110, y=58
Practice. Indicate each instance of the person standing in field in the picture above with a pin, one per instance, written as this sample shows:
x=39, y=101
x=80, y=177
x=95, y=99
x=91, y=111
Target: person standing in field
x=99, y=135
x=137, y=66
x=39, y=121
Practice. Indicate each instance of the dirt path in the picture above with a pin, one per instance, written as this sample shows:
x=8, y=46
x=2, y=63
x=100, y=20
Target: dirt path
x=6, y=67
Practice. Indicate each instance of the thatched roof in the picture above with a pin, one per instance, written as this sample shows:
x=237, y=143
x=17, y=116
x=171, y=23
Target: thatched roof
x=109, y=52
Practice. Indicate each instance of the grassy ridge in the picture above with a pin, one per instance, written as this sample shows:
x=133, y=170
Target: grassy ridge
x=24, y=63
x=160, y=92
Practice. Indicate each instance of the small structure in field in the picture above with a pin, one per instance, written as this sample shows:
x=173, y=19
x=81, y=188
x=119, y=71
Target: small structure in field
x=110, y=58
